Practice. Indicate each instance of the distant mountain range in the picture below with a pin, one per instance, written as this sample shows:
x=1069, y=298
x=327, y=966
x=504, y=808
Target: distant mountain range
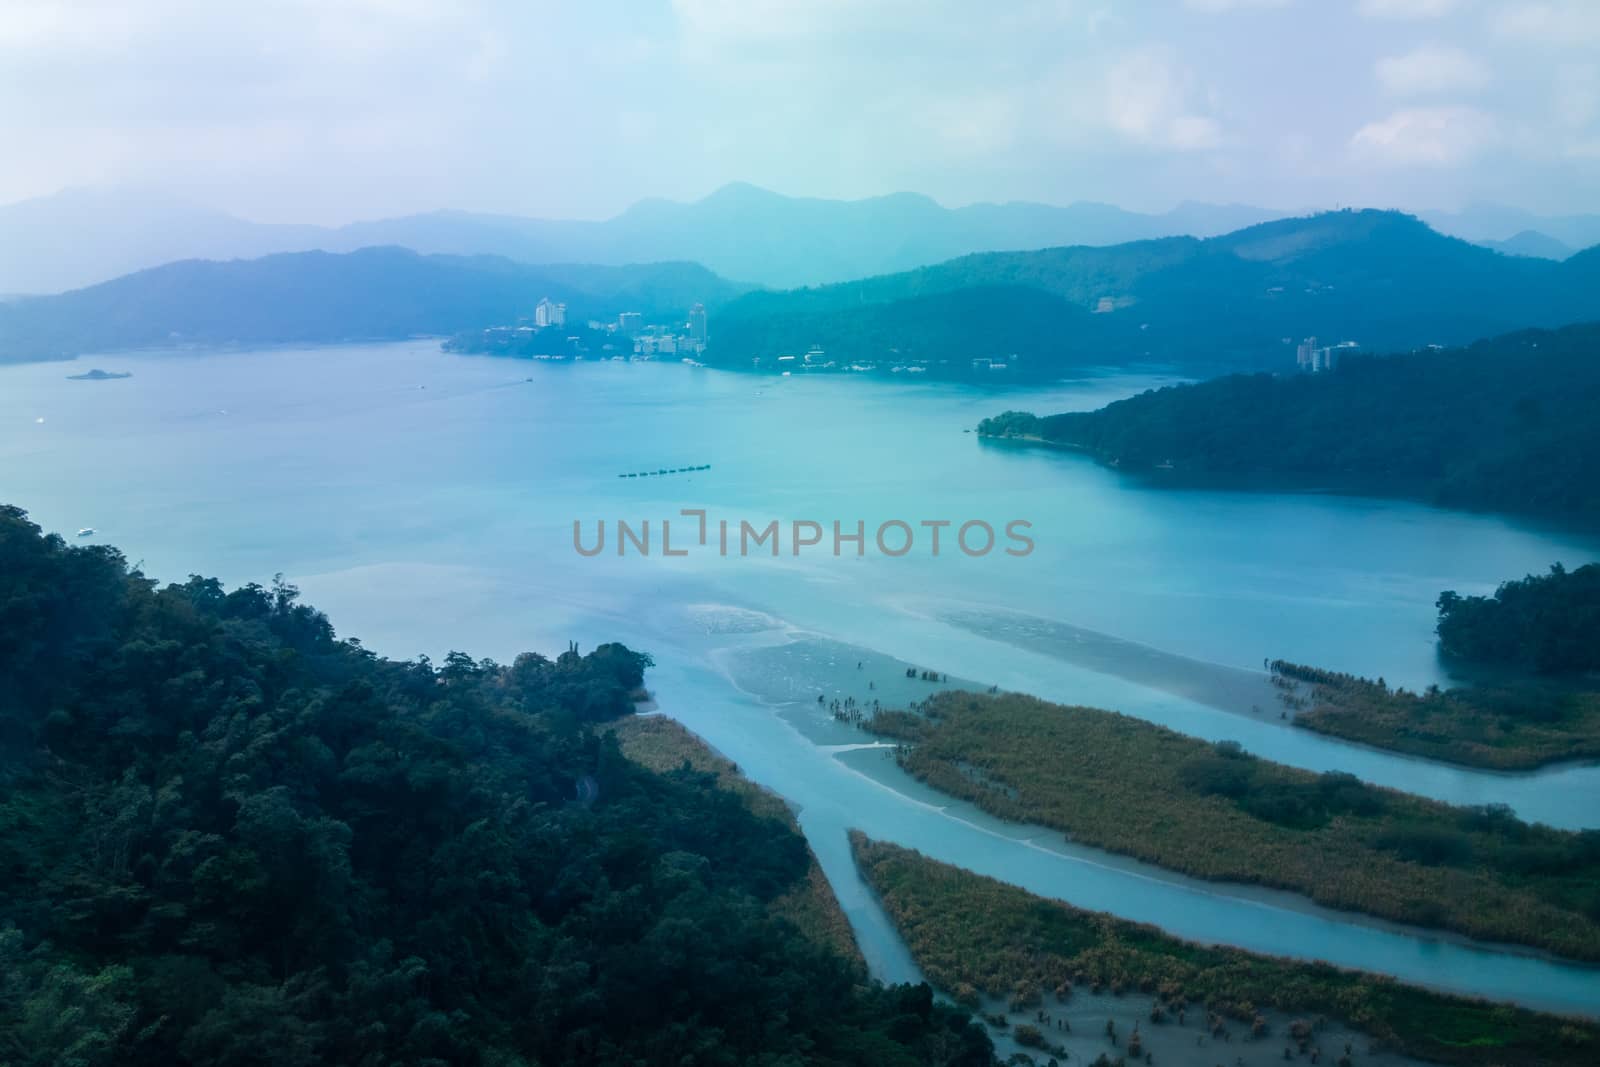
x=1242, y=300
x=1531, y=243
x=1489, y=223
x=317, y=297
x=81, y=237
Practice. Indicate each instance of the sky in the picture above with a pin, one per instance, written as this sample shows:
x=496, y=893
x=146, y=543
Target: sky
x=332, y=110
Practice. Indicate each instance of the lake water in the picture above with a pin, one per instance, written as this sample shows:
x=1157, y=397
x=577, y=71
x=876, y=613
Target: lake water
x=427, y=502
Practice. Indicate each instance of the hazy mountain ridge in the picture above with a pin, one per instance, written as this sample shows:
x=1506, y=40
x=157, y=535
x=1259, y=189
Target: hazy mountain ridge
x=81, y=237
x=1240, y=300
x=1484, y=223
x=1382, y=279
x=1531, y=243
x=374, y=293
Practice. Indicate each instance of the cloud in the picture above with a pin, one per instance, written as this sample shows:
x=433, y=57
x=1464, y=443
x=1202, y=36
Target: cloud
x=770, y=19
x=1576, y=101
x=1424, y=136
x=1218, y=6
x=1566, y=22
x=1431, y=69
x=1405, y=9
x=1151, y=100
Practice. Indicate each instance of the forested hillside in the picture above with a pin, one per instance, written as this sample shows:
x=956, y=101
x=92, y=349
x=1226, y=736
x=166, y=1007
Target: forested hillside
x=1505, y=424
x=1238, y=301
x=1548, y=623
x=1015, y=325
x=229, y=838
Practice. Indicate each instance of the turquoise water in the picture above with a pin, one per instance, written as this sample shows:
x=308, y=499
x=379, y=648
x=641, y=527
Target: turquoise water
x=427, y=501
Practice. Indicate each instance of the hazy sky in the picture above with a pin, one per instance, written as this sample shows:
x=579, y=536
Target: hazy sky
x=328, y=110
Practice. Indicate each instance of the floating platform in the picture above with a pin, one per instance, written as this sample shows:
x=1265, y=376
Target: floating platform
x=663, y=472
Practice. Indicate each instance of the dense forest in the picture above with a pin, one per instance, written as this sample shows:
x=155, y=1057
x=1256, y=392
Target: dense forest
x=1505, y=424
x=229, y=837
x=1232, y=302
x=665, y=745
x=974, y=935
x=1548, y=624
x=1214, y=811
x=1021, y=327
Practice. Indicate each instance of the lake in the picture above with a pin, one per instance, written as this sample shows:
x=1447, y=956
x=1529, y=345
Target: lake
x=427, y=502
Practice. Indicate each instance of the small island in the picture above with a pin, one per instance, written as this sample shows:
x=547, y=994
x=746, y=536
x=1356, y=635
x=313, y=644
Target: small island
x=98, y=375
x=1059, y=971
x=1540, y=638
x=1214, y=811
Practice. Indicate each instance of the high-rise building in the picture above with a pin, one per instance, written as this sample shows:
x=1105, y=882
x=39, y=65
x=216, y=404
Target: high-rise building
x=545, y=314
x=630, y=323
x=1305, y=356
x=697, y=324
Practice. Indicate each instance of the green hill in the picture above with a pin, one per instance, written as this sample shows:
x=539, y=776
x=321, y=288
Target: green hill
x=1241, y=300
x=316, y=297
x=1506, y=424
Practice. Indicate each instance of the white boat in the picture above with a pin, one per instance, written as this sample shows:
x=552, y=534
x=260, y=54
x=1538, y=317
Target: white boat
x=87, y=531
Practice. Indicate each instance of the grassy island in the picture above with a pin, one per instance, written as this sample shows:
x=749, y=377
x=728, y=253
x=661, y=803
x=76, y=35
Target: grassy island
x=1213, y=811
x=971, y=935
x=1509, y=727
x=1540, y=635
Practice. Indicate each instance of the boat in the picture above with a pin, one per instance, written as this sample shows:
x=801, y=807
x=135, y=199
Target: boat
x=87, y=531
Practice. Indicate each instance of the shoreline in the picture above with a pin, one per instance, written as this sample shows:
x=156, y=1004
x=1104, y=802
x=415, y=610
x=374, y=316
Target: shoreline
x=1243, y=819
x=1056, y=842
x=986, y=938
x=1215, y=685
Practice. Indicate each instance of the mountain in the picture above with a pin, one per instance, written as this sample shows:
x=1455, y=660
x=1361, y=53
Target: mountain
x=1531, y=243
x=1241, y=300
x=1496, y=222
x=375, y=293
x=80, y=237
x=1505, y=424
x=1235, y=301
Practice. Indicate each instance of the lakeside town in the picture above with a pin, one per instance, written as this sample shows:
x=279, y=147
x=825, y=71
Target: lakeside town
x=546, y=335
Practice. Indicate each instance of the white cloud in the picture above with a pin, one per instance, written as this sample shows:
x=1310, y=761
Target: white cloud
x=1431, y=69
x=1424, y=136
x=1217, y=6
x=1152, y=100
x=1192, y=132
x=1564, y=22
x=977, y=124
x=1405, y=9
x=1576, y=101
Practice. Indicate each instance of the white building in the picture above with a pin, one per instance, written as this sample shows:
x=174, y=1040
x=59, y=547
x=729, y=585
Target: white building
x=549, y=313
